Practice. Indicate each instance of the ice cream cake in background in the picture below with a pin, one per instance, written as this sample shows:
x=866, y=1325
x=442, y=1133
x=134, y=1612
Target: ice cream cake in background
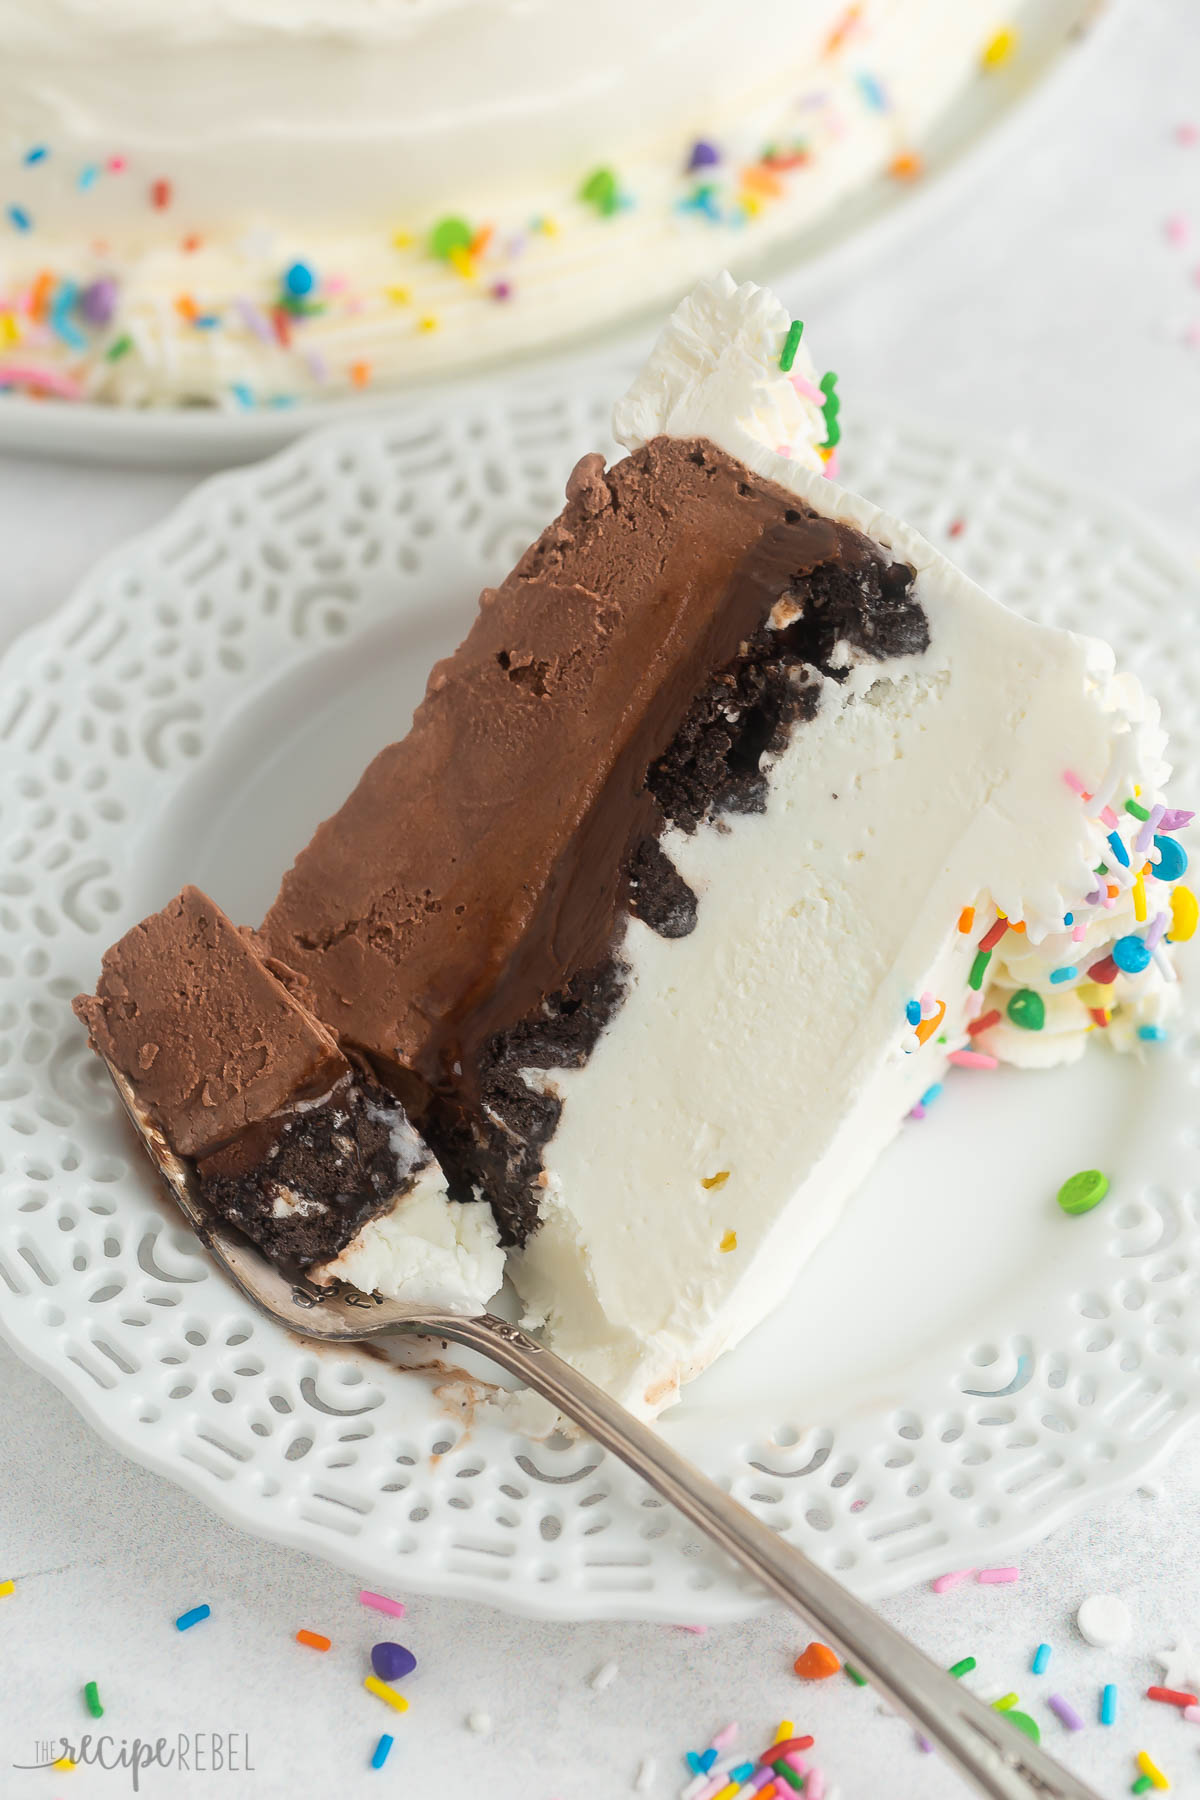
x=265, y=200
x=738, y=816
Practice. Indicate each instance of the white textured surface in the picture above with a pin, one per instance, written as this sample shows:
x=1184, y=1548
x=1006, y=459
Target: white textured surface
x=960, y=329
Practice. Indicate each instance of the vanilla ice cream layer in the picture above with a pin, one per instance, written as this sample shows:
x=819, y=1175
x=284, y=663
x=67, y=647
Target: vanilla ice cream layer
x=427, y=1249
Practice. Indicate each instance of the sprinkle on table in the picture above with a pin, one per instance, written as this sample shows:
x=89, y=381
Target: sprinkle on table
x=1108, y=1704
x=382, y=1691
x=952, y=1579
x=1151, y=1769
x=91, y=1695
x=1064, y=1712
x=856, y=1678
x=160, y=194
x=998, y=1577
x=186, y=1620
x=999, y=49
x=1081, y=1192
x=1041, y=1659
x=314, y=1639
x=817, y=1663
x=382, y=1751
x=963, y=1667
x=20, y=218
x=381, y=1603
x=1172, y=1697
x=7, y=1588
x=392, y=1662
x=604, y=1676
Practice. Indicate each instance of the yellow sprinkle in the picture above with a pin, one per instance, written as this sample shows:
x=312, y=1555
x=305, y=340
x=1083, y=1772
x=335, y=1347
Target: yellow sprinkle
x=380, y=1688
x=1152, y=1770
x=428, y=323
x=1005, y=1703
x=1139, y=899
x=10, y=331
x=64, y=1762
x=7, y=1588
x=786, y=1730
x=1000, y=48
x=1092, y=994
x=729, y=1241
x=750, y=203
x=463, y=261
x=1185, y=913
x=548, y=227
x=715, y=1181
x=399, y=296
x=402, y=240
x=729, y=1790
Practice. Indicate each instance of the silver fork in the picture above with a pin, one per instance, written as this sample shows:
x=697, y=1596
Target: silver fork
x=992, y=1753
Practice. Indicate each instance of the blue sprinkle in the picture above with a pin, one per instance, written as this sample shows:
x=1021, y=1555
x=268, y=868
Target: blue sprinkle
x=931, y=1094
x=20, y=218
x=1068, y=918
x=1118, y=848
x=1067, y=974
x=1152, y=1034
x=912, y=1012
x=60, y=316
x=299, y=280
x=1041, y=1657
x=87, y=175
x=871, y=92
x=1172, y=860
x=382, y=1751
x=38, y=154
x=743, y=1772
x=242, y=392
x=1131, y=954
x=1108, y=1704
x=206, y=321
x=707, y=1760
x=693, y=1762
x=186, y=1620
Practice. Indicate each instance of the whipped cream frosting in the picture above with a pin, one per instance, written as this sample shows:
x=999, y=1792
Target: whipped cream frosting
x=758, y=1066
x=339, y=135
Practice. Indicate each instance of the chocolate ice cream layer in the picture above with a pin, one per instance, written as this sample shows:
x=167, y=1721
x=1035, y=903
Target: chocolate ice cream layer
x=460, y=917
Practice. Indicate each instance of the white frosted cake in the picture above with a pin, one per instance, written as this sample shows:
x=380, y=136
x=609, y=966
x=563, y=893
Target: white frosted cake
x=255, y=201
x=739, y=817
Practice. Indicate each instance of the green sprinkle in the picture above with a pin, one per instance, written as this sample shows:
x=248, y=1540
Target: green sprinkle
x=600, y=190
x=831, y=409
x=1079, y=1193
x=1024, y=1723
x=789, y=1775
x=962, y=1668
x=1027, y=1009
x=1102, y=869
x=791, y=344
x=856, y=1678
x=122, y=347
x=91, y=1694
x=1142, y=1785
x=448, y=235
x=1005, y=1703
x=1138, y=811
x=975, y=978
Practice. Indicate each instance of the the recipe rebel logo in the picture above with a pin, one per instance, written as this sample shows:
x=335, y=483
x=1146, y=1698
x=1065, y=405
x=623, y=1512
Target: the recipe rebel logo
x=186, y=1753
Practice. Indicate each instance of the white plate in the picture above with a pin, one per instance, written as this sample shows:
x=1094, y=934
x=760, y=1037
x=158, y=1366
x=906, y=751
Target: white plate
x=208, y=695
x=993, y=116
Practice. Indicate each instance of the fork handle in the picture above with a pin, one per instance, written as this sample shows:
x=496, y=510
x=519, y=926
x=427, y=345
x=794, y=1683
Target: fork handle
x=993, y=1754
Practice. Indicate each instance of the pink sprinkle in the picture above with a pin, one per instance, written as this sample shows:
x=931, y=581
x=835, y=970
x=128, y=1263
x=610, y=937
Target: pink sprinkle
x=1076, y=786
x=924, y=1745
x=814, y=1787
x=795, y=1760
x=116, y=165
x=806, y=390
x=1079, y=932
x=995, y=1577
x=1187, y=134
x=917, y=1111
x=1191, y=333
x=954, y=1579
x=713, y=1787
x=1192, y=1714
x=831, y=465
x=696, y=1630
x=784, y=450
x=48, y=381
x=721, y=1740
x=973, y=1059
x=1177, y=229
x=1196, y=275
x=956, y=528
x=1109, y=817
x=381, y=1603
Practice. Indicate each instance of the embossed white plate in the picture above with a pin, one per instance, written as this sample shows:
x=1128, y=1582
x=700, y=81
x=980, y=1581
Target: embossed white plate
x=960, y=1366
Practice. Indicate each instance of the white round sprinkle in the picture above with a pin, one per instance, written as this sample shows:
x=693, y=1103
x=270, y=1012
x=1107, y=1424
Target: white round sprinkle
x=1104, y=1620
x=604, y=1674
x=647, y=1770
x=479, y=1722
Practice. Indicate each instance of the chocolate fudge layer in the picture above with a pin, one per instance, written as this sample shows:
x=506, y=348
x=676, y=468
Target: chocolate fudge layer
x=459, y=918
x=290, y=1141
